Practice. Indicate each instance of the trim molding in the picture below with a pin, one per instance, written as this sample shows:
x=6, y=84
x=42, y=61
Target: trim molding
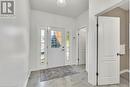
x=27, y=78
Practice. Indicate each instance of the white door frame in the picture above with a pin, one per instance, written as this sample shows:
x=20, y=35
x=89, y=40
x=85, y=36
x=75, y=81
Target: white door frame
x=78, y=53
x=38, y=61
x=92, y=71
x=96, y=18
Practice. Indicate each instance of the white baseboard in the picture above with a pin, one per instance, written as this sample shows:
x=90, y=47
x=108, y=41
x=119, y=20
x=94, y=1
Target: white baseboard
x=27, y=78
x=37, y=69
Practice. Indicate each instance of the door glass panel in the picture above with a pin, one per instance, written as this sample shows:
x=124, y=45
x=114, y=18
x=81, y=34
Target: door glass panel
x=56, y=39
x=67, y=45
x=42, y=46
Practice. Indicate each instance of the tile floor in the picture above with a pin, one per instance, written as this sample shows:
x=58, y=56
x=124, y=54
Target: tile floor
x=58, y=72
x=75, y=80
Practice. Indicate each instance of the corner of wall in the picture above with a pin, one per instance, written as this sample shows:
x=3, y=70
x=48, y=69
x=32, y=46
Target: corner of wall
x=27, y=79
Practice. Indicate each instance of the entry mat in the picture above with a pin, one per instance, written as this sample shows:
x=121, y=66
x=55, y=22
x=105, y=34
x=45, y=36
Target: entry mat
x=58, y=72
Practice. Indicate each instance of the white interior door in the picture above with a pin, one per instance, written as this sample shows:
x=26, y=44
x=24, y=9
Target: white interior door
x=108, y=48
x=56, y=47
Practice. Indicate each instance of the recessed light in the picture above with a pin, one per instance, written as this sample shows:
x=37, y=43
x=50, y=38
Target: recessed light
x=61, y=3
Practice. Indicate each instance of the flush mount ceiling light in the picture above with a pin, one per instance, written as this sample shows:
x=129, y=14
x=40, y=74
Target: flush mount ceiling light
x=61, y=3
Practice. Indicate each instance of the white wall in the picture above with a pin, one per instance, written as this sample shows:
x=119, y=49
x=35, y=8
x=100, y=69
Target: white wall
x=83, y=20
x=95, y=7
x=43, y=19
x=14, y=47
x=129, y=42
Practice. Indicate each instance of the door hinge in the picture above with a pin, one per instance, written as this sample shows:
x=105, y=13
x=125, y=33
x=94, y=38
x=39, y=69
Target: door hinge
x=97, y=25
x=97, y=74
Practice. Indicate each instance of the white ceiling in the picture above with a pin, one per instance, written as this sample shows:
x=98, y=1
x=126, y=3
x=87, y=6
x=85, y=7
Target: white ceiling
x=73, y=8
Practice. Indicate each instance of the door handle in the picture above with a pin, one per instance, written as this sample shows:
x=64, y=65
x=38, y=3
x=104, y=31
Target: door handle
x=118, y=54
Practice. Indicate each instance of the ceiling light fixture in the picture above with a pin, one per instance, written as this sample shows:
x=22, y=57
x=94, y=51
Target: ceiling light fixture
x=61, y=3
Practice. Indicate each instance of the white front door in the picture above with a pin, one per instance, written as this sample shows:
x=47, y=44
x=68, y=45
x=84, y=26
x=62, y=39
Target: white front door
x=56, y=47
x=108, y=50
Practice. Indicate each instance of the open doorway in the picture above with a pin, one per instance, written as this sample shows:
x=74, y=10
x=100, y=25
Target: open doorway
x=82, y=45
x=116, y=34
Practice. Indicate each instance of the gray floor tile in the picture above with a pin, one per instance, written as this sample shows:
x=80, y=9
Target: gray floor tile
x=75, y=80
